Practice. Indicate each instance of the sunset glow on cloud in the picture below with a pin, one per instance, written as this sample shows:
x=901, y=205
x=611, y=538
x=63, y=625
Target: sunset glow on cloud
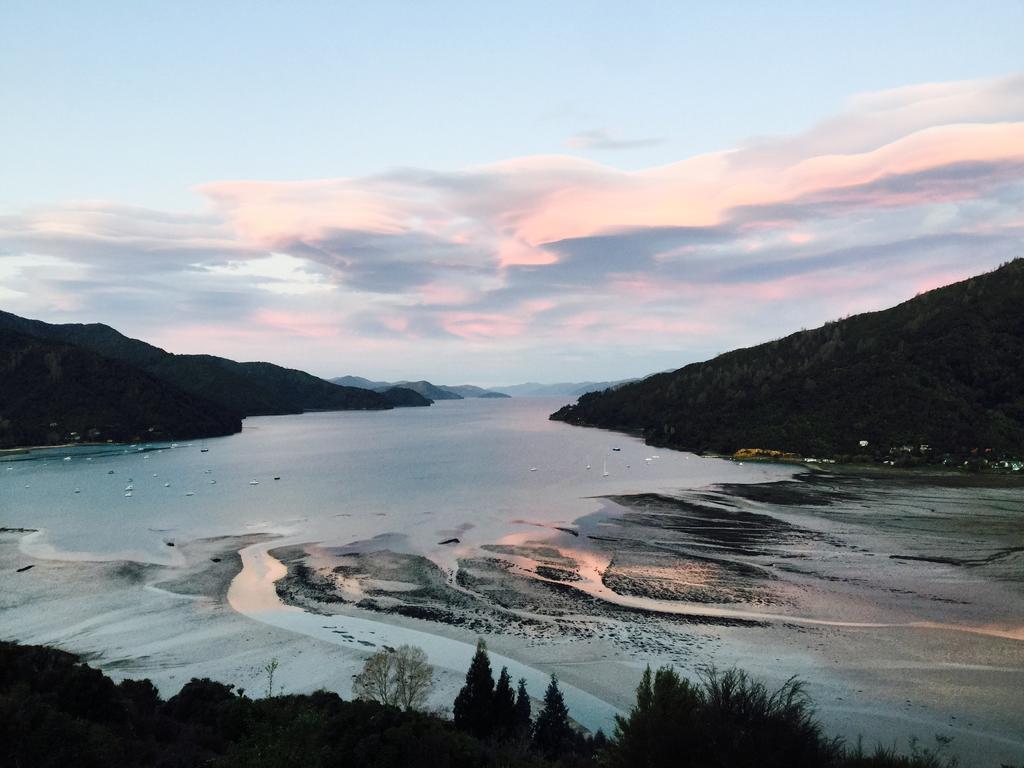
x=532, y=259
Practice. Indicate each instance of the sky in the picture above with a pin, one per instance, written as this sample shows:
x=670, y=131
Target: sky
x=500, y=192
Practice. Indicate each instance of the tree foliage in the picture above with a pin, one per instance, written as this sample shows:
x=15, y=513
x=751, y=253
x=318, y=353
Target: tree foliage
x=521, y=715
x=399, y=677
x=503, y=705
x=552, y=733
x=472, y=708
x=56, y=712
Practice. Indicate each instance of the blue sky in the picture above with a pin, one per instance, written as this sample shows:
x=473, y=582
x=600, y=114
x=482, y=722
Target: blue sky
x=160, y=107
x=140, y=101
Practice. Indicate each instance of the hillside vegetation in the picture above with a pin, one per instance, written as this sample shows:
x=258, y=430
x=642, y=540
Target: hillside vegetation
x=53, y=392
x=942, y=370
x=56, y=712
x=247, y=389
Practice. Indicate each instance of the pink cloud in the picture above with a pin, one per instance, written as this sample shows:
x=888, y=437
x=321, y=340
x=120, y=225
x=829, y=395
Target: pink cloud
x=316, y=326
x=481, y=326
x=901, y=191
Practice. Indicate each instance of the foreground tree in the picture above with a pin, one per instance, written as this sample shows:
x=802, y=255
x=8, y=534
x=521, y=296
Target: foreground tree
x=521, y=720
x=472, y=709
x=552, y=733
x=657, y=733
x=396, y=678
x=414, y=677
x=503, y=706
x=728, y=719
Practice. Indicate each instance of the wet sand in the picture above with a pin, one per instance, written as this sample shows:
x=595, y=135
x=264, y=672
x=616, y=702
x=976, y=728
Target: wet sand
x=899, y=604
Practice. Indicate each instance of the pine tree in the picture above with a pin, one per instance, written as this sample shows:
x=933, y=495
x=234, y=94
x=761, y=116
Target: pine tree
x=552, y=733
x=504, y=705
x=473, y=705
x=521, y=713
x=663, y=725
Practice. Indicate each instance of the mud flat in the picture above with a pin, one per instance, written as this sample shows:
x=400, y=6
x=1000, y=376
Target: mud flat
x=899, y=605
x=166, y=623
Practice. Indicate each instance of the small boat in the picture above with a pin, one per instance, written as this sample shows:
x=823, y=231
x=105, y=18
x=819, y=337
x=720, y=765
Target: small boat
x=127, y=494
x=254, y=482
x=167, y=485
x=588, y=462
x=78, y=490
x=277, y=477
x=190, y=493
x=67, y=458
x=213, y=482
x=129, y=487
x=110, y=471
x=605, y=473
x=204, y=450
x=533, y=469
x=616, y=449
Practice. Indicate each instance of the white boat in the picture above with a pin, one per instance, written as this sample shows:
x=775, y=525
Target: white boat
x=67, y=458
x=588, y=462
x=605, y=473
x=127, y=494
x=254, y=482
x=190, y=493
x=167, y=485
x=533, y=469
x=129, y=487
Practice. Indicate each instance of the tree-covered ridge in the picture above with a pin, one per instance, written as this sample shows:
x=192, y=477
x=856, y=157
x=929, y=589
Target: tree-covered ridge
x=55, y=393
x=248, y=389
x=942, y=370
x=56, y=712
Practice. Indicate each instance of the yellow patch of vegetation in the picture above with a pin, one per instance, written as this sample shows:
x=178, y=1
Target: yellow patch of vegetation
x=749, y=454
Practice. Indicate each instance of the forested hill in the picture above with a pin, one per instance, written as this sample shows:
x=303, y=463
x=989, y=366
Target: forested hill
x=53, y=392
x=945, y=369
x=249, y=389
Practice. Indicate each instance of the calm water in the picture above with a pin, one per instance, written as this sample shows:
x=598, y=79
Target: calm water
x=458, y=468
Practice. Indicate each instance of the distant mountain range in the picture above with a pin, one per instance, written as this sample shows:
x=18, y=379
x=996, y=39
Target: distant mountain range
x=943, y=370
x=154, y=394
x=424, y=388
x=457, y=392
x=564, y=389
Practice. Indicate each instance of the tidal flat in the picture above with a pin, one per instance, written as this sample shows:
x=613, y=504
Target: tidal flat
x=898, y=601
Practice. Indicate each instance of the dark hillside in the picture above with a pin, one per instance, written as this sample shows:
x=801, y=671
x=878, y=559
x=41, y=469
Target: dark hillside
x=48, y=391
x=943, y=369
x=251, y=389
